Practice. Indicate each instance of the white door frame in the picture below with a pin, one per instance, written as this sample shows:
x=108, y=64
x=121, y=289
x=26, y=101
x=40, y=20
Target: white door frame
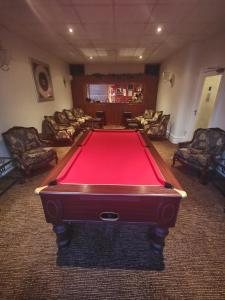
x=200, y=84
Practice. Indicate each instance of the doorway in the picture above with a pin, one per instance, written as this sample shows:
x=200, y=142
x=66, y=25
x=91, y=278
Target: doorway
x=207, y=101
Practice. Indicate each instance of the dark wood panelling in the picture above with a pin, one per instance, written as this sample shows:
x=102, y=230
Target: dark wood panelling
x=114, y=111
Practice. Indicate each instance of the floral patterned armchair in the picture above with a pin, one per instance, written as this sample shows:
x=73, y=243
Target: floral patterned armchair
x=55, y=132
x=148, y=114
x=155, y=118
x=74, y=117
x=61, y=119
x=158, y=129
x=27, y=148
x=80, y=113
x=206, y=146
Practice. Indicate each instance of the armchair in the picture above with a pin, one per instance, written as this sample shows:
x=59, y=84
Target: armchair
x=74, y=117
x=28, y=149
x=158, y=130
x=156, y=118
x=137, y=122
x=58, y=133
x=206, y=146
x=61, y=119
x=81, y=114
x=148, y=114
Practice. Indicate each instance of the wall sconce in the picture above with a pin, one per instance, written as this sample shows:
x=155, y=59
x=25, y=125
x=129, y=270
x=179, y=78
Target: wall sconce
x=4, y=59
x=169, y=77
x=67, y=79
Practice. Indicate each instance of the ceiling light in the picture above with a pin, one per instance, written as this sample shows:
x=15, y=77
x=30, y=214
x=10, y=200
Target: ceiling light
x=140, y=57
x=70, y=29
x=159, y=29
x=91, y=57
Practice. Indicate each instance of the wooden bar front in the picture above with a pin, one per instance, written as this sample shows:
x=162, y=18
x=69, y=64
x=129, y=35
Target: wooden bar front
x=114, y=111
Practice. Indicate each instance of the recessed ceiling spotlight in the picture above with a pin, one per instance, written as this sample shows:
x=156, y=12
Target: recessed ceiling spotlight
x=91, y=57
x=140, y=57
x=70, y=29
x=159, y=29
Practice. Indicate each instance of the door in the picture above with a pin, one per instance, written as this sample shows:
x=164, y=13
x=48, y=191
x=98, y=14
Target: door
x=207, y=101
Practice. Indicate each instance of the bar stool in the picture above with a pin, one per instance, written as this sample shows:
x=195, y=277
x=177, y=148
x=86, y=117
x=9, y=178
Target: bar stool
x=126, y=115
x=101, y=114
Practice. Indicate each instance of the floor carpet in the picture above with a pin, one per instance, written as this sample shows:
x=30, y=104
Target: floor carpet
x=113, y=262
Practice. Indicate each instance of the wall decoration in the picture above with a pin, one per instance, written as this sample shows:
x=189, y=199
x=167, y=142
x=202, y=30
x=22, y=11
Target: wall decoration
x=43, y=81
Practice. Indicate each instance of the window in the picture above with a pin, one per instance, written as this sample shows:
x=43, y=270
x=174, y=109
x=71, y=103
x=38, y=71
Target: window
x=115, y=93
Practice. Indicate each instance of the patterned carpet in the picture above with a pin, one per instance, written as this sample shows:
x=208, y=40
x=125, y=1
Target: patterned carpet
x=113, y=262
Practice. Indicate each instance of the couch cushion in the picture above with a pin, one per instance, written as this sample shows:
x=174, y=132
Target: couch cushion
x=70, y=115
x=193, y=156
x=38, y=155
x=31, y=140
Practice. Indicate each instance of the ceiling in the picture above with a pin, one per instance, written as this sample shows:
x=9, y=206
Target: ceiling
x=113, y=30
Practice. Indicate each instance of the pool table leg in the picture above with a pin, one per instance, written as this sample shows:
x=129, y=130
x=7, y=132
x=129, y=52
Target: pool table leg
x=157, y=237
x=63, y=234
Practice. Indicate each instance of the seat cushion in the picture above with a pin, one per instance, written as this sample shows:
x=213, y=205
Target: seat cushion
x=193, y=156
x=38, y=155
x=133, y=125
x=62, y=135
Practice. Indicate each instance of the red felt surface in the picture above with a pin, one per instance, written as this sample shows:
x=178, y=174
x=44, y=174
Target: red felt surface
x=112, y=157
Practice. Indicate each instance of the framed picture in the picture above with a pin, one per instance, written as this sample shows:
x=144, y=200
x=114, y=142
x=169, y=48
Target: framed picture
x=43, y=81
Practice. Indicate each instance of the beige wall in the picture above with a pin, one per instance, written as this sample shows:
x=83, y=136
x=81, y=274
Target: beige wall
x=18, y=98
x=189, y=66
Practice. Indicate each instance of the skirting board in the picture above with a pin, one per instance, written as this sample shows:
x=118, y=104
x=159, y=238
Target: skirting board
x=175, y=139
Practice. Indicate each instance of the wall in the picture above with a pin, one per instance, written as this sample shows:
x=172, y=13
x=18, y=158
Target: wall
x=189, y=66
x=116, y=68
x=18, y=98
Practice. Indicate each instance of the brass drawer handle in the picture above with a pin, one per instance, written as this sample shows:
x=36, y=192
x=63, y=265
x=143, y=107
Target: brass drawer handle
x=109, y=216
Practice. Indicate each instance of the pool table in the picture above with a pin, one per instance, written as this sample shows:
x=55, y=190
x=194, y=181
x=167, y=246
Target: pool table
x=112, y=176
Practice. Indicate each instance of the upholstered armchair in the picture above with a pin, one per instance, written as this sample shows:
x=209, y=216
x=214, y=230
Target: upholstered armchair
x=157, y=129
x=137, y=122
x=78, y=115
x=74, y=117
x=81, y=114
x=148, y=114
x=61, y=119
x=155, y=118
x=55, y=132
x=28, y=149
x=206, y=146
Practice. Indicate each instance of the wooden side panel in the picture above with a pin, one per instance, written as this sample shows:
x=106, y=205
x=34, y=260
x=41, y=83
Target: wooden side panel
x=158, y=210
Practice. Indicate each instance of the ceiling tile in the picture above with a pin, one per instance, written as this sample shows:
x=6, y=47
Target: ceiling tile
x=12, y=3
x=180, y=2
x=166, y=13
x=63, y=29
x=18, y=15
x=137, y=2
x=91, y=2
x=97, y=31
x=130, y=29
x=206, y=13
x=95, y=14
x=133, y=13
